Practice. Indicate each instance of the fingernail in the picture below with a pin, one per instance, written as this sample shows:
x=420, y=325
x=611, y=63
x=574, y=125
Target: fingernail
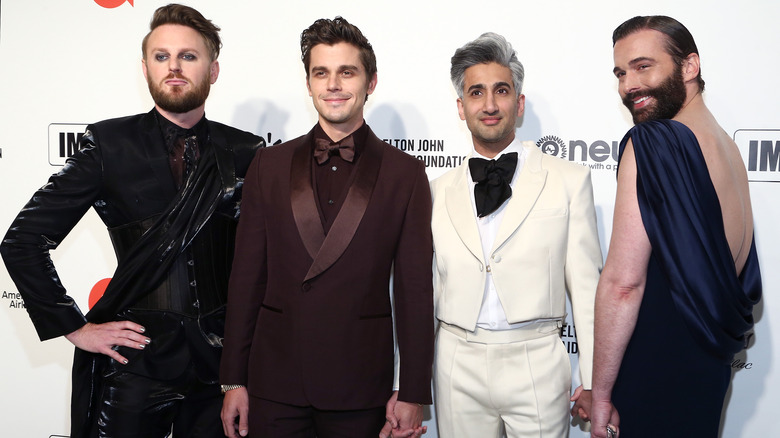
x=124, y=361
x=141, y=346
x=148, y=341
x=143, y=329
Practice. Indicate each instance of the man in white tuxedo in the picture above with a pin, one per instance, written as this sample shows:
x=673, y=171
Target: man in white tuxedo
x=514, y=231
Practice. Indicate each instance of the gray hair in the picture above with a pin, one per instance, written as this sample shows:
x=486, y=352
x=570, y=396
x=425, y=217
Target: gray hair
x=489, y=47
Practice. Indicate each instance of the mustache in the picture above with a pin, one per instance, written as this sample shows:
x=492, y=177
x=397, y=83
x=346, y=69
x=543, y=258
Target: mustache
x=174, y=75
x=631, y=97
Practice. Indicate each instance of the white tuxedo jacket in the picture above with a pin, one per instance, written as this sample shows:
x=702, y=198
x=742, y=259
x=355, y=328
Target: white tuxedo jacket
x=547, y=245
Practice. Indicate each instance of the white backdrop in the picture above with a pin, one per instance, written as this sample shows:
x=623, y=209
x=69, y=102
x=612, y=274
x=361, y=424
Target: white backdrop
x=69, y=63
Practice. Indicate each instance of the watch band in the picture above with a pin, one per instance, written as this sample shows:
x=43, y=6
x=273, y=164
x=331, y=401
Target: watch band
x=226, y=388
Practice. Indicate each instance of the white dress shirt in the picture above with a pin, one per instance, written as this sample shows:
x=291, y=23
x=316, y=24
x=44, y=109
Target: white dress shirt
x=491, y=314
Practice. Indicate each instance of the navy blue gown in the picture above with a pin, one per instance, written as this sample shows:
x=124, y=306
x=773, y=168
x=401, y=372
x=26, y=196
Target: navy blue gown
x=696, y=309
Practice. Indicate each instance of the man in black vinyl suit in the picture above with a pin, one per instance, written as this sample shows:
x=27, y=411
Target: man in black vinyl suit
x=167, y=186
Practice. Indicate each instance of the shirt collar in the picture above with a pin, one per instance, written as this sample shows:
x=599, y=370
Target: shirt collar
x=515, y=146
x=171, y=130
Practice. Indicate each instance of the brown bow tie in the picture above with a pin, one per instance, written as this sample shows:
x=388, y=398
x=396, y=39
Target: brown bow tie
x=324, y=148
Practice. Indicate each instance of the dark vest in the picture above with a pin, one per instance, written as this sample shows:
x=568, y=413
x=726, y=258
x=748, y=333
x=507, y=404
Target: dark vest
x=196, y=284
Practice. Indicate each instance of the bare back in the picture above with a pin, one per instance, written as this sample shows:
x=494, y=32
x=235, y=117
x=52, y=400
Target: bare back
x=729, y=177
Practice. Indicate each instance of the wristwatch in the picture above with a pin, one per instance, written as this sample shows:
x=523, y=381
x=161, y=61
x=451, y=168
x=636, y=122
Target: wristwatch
x=226, y=388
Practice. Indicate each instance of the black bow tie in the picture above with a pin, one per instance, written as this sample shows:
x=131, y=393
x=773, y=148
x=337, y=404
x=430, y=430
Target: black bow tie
x=492, y=178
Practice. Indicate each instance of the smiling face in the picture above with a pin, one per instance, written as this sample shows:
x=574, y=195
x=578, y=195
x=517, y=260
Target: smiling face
x=490, y=106
x=178, y=69
x=650, y=83
x=338, y=85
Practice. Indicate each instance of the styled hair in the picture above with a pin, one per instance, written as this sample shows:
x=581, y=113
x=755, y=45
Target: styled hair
x=338, y=30
x=679, y=41
x=489, y=47
x=186, y=16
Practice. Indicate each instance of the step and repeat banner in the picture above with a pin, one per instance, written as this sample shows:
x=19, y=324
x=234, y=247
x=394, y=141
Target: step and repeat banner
x=69, y=63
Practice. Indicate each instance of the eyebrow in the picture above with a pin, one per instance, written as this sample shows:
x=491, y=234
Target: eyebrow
x=634, y=62
x=340, y=68
x=166, y=50
x=496, y=85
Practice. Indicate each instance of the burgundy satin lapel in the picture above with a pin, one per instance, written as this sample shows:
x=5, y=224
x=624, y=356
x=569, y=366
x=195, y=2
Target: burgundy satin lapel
x=353, y=209
x=304, y=206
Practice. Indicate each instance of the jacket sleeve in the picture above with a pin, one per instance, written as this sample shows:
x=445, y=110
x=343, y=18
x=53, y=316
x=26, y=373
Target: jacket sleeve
x=248, y=279
x=40, y=227
x=582, y=268
x=413, y=295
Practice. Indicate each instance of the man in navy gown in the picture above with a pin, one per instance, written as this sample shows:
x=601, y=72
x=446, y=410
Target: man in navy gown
x=676, y=295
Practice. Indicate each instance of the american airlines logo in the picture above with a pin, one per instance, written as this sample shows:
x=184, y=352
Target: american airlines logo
x=760, y=149
x=64, y=141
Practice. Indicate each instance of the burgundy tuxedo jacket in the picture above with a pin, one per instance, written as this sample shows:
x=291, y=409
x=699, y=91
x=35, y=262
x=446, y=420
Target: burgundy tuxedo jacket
x=309, y=318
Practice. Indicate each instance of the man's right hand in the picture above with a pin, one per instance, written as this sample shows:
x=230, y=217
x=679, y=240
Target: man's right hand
x=399, y=415
x=603, y=416
x=101, y=338
x=235, y=406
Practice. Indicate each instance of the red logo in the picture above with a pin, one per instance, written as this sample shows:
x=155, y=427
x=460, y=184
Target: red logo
x=111, y=4
x=100, y=287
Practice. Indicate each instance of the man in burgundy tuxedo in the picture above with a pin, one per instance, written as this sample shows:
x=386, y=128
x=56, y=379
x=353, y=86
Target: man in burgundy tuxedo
x=327, y=218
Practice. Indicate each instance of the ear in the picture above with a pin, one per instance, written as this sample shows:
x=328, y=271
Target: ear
x=690, y=67
x=214, y=71
x=372, y=84
x=143, y=68
x=461, y=113
x=520, y=105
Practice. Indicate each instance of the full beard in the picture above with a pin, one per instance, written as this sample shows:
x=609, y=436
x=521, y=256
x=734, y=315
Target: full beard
x=178, y=101
x=669, y=98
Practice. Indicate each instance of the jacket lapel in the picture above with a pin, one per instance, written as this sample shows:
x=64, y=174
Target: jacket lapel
x=351, y=213
x=528, y=187
x=457, y=198
x=304, y=205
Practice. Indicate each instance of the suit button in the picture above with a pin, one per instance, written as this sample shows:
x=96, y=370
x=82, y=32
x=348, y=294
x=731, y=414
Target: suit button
x=306, y=287
x=496, y=258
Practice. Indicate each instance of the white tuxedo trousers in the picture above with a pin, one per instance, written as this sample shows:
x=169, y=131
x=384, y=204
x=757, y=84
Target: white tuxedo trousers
x=519, y=379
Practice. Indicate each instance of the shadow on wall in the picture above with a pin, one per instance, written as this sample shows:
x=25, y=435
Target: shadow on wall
x=263, y=118
x=530, y=127
x=386, y=121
